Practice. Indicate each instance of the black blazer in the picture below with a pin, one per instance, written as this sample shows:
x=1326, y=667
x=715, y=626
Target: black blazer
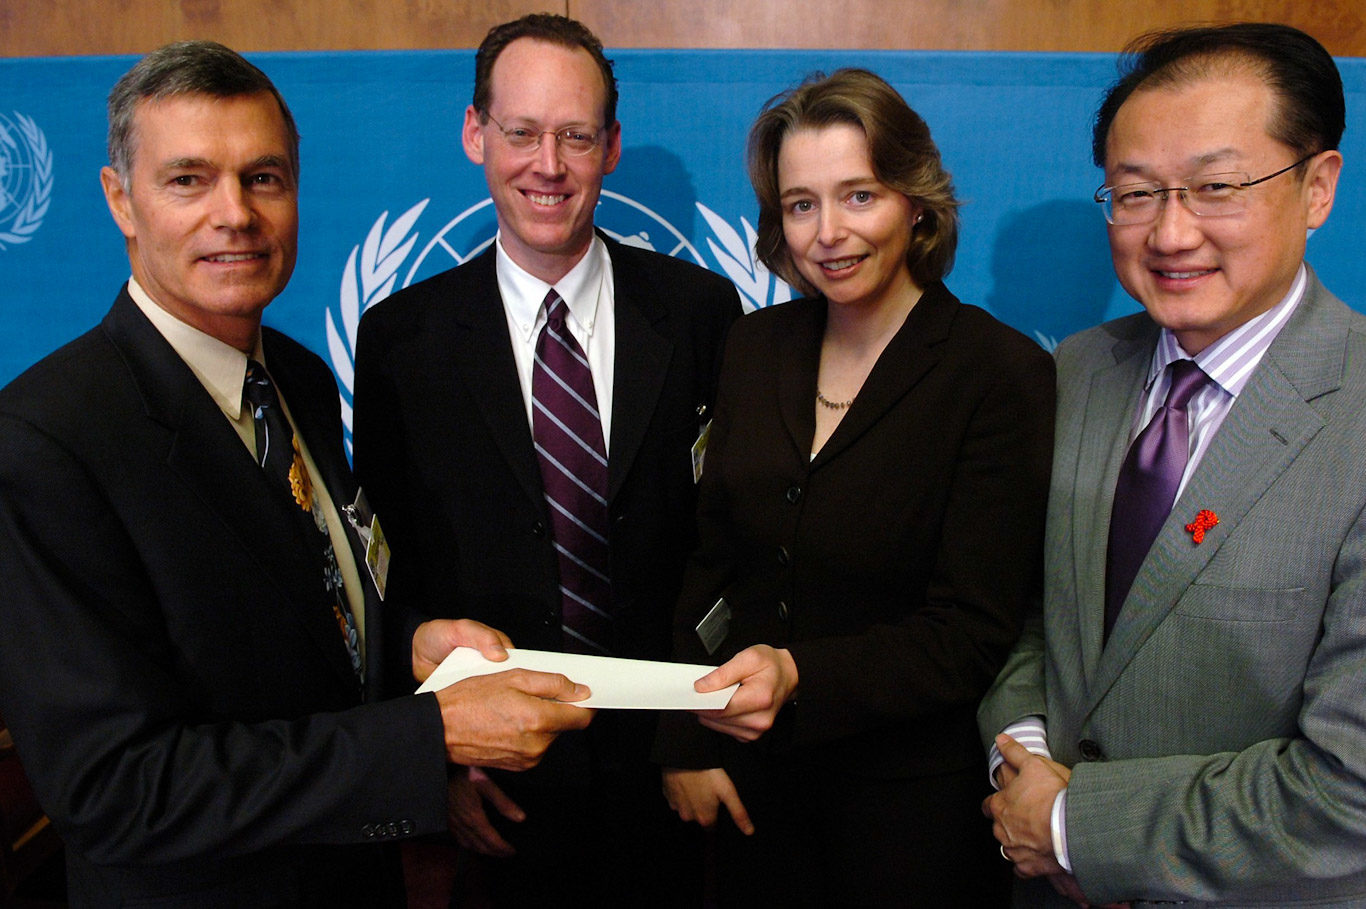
x=187, y=713
x=444, y=451
x=896, y=565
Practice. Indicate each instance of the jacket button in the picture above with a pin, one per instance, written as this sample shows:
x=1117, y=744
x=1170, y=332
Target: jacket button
x=782, y=611
x=369, y=831
x=794, y=494
x=538, y=530
x=1090, y=751
x=407, y=827
x=783, y=557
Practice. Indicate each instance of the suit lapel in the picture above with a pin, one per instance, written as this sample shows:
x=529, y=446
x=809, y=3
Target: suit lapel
x=205, y=451
x=1266, y=429
x=309, y=405
x=1112, y=394
x=798, y=364
x=641, y=345
x=908, y=356
x=469, y=336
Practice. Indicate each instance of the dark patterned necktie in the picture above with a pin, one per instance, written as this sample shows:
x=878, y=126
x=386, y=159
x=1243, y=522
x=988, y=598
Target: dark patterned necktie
x=569, y=446
x=1146, y=489
x=284, y=467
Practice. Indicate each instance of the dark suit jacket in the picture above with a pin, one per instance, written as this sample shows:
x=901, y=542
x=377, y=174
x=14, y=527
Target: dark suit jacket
x=895, y=566
x=444, y=452
x=185, y=709
x=1218, y=739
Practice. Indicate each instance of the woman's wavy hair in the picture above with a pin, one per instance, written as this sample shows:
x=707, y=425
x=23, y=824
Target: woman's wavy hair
x=904, y=158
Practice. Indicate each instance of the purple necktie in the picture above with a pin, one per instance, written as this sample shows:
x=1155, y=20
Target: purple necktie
x=1146, y=489
x=573, y=459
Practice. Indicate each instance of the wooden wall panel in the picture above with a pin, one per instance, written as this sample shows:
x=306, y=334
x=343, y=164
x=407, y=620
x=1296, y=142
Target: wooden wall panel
x=1025, y=25
x=58, y=27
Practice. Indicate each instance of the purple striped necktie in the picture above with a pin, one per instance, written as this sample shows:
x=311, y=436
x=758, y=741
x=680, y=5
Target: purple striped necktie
x=569, y=446
x=1147, y=484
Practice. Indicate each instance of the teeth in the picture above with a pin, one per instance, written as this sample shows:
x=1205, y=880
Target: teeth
x=546, y=200
x=840, y=264
x=1184, y=274
x=233, y=257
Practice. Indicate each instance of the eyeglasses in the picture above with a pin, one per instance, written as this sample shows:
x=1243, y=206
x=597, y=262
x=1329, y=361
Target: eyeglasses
x=572, y=140
x=1205, y=195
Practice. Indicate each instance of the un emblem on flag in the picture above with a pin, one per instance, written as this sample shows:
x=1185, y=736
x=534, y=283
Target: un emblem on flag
x=395, y=255
x=25, y=179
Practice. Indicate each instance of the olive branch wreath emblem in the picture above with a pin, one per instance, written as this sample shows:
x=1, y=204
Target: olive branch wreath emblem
x=34, y=208
x=372, y=269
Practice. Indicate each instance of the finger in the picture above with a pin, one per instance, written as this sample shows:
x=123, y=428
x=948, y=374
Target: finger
x=718, y=678
x=495, y=796
x=738, y=668
x=557, y=717
x=731, y=799
x=736, y=729
x=491, y=643
x=1066, y=885
x=552, y=686
x=470, y=824
x=485, y=840
x=502, y=804
x=1014, y=753
x=678, y=792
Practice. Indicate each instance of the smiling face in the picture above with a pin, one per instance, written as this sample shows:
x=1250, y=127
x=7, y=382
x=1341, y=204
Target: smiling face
x=210, y=213
x=1202, y=277
x=847, y=233
x=544, y=198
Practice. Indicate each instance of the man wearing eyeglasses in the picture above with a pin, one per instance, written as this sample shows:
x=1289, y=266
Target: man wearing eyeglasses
x=568, y=530
x=1197, y=671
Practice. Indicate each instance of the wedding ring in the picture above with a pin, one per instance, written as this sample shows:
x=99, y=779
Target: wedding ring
x=1004, y=856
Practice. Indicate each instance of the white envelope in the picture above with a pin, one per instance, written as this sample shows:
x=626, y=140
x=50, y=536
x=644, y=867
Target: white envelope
x=615, y=683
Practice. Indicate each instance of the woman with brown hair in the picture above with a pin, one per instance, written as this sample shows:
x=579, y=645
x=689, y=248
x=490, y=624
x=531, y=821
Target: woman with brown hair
x=871, y=516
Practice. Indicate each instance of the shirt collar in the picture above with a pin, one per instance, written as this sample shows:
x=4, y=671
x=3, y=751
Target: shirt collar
x=1229, y=360
x=580, y=288
x=220, y=368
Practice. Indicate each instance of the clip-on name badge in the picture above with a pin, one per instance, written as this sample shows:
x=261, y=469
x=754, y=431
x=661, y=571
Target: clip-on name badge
x=715, y=625
x=366, y=525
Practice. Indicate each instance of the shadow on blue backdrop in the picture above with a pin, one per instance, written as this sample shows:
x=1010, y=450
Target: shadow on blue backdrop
x=1050, y=269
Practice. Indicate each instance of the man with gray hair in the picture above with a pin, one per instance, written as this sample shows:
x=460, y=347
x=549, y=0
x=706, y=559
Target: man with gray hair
x=189, y=638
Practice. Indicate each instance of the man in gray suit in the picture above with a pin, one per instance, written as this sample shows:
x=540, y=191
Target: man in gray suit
x=1199, y=667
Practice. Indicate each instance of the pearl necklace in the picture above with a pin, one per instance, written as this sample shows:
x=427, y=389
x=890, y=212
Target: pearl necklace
x=833, y=405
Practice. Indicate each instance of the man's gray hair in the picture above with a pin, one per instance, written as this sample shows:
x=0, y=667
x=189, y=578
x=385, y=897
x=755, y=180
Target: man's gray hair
x=185, y=68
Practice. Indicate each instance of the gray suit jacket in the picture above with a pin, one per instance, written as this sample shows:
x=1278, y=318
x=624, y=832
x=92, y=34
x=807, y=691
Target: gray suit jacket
x=1218, y=742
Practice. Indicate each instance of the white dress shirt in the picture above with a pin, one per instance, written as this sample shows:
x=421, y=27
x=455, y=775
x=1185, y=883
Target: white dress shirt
x=588, y=292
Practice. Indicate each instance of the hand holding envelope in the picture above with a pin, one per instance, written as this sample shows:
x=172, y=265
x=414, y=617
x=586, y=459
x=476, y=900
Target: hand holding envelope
x=615, y=683
x=505, y=720
x=767, y=679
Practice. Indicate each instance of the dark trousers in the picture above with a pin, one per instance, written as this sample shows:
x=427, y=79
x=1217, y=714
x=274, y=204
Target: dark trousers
x=598, y=830
x=827, y=837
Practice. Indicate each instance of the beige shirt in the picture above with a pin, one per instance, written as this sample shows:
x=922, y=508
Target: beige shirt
x=222, y=370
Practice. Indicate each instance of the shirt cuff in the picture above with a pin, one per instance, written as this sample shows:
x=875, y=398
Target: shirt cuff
x=1028, y=731
x=1058, y=821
